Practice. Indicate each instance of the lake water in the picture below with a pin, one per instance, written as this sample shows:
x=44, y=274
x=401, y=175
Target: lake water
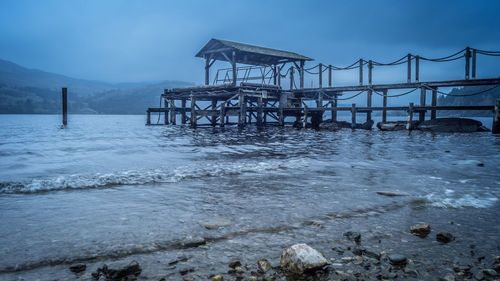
x=108, y=189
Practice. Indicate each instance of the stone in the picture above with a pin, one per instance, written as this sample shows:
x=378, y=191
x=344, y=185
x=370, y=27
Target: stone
x=252, y=278
x=192, y=242
x=329, y=126
x=448, y=277
x=186, y=270
x=462, y=125
x=470, y=162
x=392, y=194
x=372, y=254
x=444, y=237
x=395, y=125
x=263, y=265
x=217, y=278
x=358, y=251
x=77, y=268
x=234, y=264
x=353, y=236
x=126, y=273
x=490, y=272
x=217, y=223
x=397, y=259
x=421, y=230
x=300, y=258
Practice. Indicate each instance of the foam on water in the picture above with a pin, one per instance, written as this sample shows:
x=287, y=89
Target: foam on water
x=464, y=201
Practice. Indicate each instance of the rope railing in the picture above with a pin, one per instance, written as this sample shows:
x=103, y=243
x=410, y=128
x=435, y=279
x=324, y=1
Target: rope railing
x=463, y=95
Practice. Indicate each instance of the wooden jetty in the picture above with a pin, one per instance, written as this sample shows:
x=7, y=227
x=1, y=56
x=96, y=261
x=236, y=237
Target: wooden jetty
x=257, y=92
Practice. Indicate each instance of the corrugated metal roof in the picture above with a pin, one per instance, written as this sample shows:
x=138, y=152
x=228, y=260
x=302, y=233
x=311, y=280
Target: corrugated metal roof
x=257, y=54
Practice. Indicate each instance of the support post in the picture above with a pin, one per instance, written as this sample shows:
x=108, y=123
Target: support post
x=274, y=74
x=370, y=68
x=467, y=63
x=329, y=75
x=281, y=112
x=301, y=74
x=222, y=114
x=279, y=75
x=193, y=112
x=235, y=74
x=260, y=111
x=421, y=114
x=384, y=105
x=334, y=107
x=242, y=115
x=417, y=68
x=319, y=101
x=173, y=118
x=409, y=125
x=496, y=119
x=369, y=105
x=353, y=118
x=360, y=71
x=409, y=68
x=304, y=123
x=184, y=118
x=214, y=116
x=291, y=77
x=320, y=66
x=434, y=103
x=207, y=70
x=65, y=106
x=474, y=63
x=148, y=119
x=166, y=111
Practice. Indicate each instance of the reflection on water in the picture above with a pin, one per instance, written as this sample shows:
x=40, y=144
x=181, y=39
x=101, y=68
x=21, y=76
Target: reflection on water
x=109, y=187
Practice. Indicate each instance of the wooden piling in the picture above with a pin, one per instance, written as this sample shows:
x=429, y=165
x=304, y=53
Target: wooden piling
x=281, y=111
x=148, y=119
x=301, y=74
x=166, y=111
x=384, y=105
x=214, y=117
x=207, y=71
x=409, y=68
x=417, y=68
x=369, y=105
x=242, y=115
x=496, y=119
x=65, y=106
x=353, y=118
x=334, y=107
x=467, y=63
x=260, y=111
x=474, y=63
x=320, y=66
x=222, y=114
x=235, y=71
x=304, y=122
x=421, y=114
x=184, y=117
x=330, y=75
x=291, y=77
x=409, y=125
x=193, y=112
x=360, y=71
x=370, y=68
x=279, y=75
x=173, y=117
x=434, y=103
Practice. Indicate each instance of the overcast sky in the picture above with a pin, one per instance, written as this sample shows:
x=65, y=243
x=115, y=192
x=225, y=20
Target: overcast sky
x=133, y=41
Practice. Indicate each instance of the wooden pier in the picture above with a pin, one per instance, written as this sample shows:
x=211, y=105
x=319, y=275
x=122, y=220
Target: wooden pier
x=255, y=94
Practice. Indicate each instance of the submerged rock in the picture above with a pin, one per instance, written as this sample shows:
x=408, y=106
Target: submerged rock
x=127, y=273
x=397, y=259
x=459, y=125
x=264, y=265
x=353, y=236
x=217, y=223
x=421, y=230
x=395, y=125
x=392, y=194
x=77, y=268
x=329, y=126
x=444, y=237
x=470, y=162
x=301, y=258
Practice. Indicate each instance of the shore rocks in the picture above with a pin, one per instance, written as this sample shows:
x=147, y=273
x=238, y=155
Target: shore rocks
x=421, y=230
x=397, y=259
x=392, y=194
x=395, y=125
x=128, y=272
x=217, y=278
x=77, y=268
x=192, y=242
x=263, y=265
x=329, y=126
x=353, y=236
x=217, y=223
x=444, y=237
x=459, y=125
x=470, y=162
x=300, y=258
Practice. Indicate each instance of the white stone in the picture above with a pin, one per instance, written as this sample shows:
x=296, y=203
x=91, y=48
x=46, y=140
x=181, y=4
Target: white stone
x=301, y=257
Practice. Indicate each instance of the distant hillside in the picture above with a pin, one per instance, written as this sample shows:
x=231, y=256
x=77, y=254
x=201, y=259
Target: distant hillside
x=25, y=90
x=486, y=98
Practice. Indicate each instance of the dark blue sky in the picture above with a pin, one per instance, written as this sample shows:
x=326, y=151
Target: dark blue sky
x=130, y=41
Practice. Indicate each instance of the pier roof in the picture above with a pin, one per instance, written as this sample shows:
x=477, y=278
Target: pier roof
x=218, y=49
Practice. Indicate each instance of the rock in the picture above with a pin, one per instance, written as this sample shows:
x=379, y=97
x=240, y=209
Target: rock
x=358, y=251
x=192, y=242
x=217, y=278
x=490, y=272
x=395, y=125
x=77, y=268
x=186, y=270
x=421, y=230
x=234, y=264
x=365, y=126
x=392, y=194
x=459, y=125
x=448, y=277
x=252, y=278
x=470, y=162
x=353, y=236
x=300, y=258
x=444, y=237
x=372, y=254
x=217, y=223
x=397, y=259
x=126, y=273
x=347, y=259
x=329, y=126
x=263, y=265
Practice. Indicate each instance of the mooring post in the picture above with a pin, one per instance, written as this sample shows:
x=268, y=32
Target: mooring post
x=474, y=63
x=334, y=106
x=370, y=68
x=214, y=115
x=279, y=75
x=291, y=77
x=301, y=74
x=304, y=123
x=319, y=101
x=183, y=104
x=320, y=66
x=281, y=110
x=242, y=115
x=496, y=119
x=417, y=68
x=409, y=125
x=207, y=70
x=384, y=105
x=330, y=75
x=369, y=94
x=434, y=102
x=222, y=114
x=360, y=71
x=166, y=111
x=148, y=119
x=353, y=118
x=235, y=71
x=421, y=114
x=173, y=118
x=409, y=68
x=274, y=74
x=260, y=111
x=193, y=112
x=65, y=106
x=467, y=63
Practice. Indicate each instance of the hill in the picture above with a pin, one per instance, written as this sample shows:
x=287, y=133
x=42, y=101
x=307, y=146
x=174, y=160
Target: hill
x=485, y=98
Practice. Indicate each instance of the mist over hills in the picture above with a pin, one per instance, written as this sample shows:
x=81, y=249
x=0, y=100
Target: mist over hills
x=24, y=90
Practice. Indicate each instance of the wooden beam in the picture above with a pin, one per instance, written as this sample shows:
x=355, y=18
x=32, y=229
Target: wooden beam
x=214, y=107
x=467, y=63
x=302, y=74
x=370, y=68
x=360, y=71
x=193, y=112
x=222, y=114
x=260, y=111
x=334, y=107
x=329, y=75
x=417, y=68
x=235, y=73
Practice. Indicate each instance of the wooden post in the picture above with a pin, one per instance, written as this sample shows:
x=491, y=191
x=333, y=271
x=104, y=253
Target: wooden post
x=281, y=112
x=214, y=116
x=360, y=71
x=319, y=101
x=467, y=63
x=384, y=105
x=235, y=74
x=473, y=63
x=301, y=74
x=421, y=114
x=148, y=119
x=320, y=75
x=409, y=68
x=207, y=71
x=184, y=118
x=274, y=74
x=222, y=114
x=173, y=118
x=495, y=129
x=434, y=102
x=370, y=67
x=65, y=106
x=329, y=75
x=193, y=112
x=279, y=75
x=291, y=77
x=334, y=107
x=166, y=111
x=353, y=118
x=242, y=115
x=304, y=123
x=260, y=111
x=369, y=105
x=417, y=68
x=409, y=125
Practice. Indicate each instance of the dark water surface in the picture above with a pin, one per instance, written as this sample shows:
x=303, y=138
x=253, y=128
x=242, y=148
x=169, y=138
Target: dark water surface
x=108, y=189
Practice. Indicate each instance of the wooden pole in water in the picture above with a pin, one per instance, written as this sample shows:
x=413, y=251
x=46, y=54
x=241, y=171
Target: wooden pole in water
x=496, y=119
x=421, y=114
x=369, y=105
x=320, y=75
x=193, y=112
x=409, y=68
x=384, y=105
x=291, y=77
x=304, y=123
x=183, y=104
x=301, y=74
x=173, y=118
x=417, y=68
x=360, y=71
x=165, y=101
x=409, y=125
x=207, y=71
x=235, y=73
x=467, y=63
x=370, y=68
x=65, y=106
x=214, y=116
x=222, y=114
x=148, y=120
x=281, y=112
x=242, y=115
x=334, y=106
x=473, y=63
x=329, y=75
x=278, y=68
x=260, y=110
x=353, y=118
x=434, y=102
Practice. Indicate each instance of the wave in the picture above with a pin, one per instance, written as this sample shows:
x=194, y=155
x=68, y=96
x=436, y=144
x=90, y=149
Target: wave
x=141, y=177
x=465, y=201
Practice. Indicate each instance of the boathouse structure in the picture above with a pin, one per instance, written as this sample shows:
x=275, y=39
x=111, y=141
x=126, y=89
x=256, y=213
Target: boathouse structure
x=266, y=86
